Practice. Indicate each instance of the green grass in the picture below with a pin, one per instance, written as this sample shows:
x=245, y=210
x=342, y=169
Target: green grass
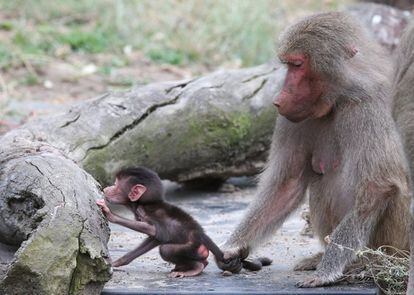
x=170, y=56
x=209, y=32
x=30, y=80
x=94, y=41
x=6, y=56
x=6, y=26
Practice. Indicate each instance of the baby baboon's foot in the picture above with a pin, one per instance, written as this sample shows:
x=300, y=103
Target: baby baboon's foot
x=195, y=270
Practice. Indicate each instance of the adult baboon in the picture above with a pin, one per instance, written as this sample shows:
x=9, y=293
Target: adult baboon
x=335, y=137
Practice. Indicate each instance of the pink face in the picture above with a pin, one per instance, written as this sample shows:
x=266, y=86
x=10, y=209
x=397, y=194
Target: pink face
x=117, y=193
x=300, y=97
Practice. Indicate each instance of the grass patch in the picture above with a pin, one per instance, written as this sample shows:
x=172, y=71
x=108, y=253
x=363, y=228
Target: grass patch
x=6, y=26
x=90, y=42
x=31, y=44
x=30, y=80
x=6, y=56
x=175, y=32
x=169, y=56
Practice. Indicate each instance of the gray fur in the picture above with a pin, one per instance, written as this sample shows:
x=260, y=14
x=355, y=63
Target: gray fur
x=364, y=200
x=403, y=111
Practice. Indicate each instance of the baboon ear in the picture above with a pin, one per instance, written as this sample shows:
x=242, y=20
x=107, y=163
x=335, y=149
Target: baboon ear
x=352, y=51
x=136, y=192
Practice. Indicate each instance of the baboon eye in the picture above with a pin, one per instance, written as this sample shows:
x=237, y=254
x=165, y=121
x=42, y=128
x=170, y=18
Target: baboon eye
x=296, y=63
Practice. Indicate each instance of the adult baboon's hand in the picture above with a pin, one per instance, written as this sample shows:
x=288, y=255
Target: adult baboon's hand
x=233, y=258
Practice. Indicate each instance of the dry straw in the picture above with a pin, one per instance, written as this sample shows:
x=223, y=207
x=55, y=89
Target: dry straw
x=387, y=266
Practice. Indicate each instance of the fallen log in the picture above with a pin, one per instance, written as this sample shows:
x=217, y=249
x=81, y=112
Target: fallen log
x=216, y=126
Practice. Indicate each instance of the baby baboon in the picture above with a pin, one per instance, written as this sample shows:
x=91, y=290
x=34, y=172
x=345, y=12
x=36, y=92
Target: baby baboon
x=180, y=238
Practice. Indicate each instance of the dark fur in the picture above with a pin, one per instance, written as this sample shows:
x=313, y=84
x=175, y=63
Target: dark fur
x=177, y=234
x=146, y=177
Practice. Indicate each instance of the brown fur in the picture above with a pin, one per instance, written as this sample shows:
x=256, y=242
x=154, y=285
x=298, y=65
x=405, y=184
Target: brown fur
x=350, y=159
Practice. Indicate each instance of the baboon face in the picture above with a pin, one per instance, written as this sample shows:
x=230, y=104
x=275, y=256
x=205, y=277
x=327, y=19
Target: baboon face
x=118, y=192
x=302, y=92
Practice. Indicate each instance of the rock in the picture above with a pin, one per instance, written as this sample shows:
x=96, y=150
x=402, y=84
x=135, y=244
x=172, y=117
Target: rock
x=384, y=22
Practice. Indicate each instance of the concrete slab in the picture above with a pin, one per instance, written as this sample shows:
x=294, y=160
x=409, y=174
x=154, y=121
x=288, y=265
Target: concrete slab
x=219, y=213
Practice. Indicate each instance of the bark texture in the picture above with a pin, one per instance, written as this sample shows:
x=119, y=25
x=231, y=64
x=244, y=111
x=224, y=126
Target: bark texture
x=48, y=221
